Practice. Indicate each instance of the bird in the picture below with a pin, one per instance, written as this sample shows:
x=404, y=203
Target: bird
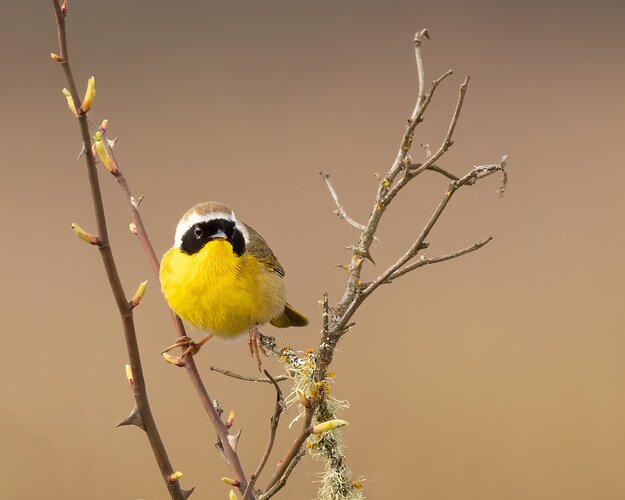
x=221, y=276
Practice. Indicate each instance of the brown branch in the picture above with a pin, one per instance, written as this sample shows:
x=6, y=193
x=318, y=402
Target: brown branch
x=402, y=171
x=246, y=378
x=125, y=309
x=468, y=179
x=362, y=249
x=340, y=211
x=275, y=419
x=425, y=261
x=189, y=363
x=293, y=451
x=436, y=168
x=285, y=477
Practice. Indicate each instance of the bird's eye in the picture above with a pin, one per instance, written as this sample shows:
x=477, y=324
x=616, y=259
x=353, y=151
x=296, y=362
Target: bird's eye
x=197, y=230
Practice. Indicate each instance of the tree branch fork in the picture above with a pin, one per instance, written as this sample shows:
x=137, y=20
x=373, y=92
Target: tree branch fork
x=317, y=409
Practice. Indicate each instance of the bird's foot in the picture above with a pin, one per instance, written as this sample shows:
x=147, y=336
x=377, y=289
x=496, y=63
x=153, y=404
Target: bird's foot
x=192, y=348
x=253, y=342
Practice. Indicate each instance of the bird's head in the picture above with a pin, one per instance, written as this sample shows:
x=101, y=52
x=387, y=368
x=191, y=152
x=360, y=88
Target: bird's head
x=208, y=222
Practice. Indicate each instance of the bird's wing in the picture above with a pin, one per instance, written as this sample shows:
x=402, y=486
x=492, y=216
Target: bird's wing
x=258, y=247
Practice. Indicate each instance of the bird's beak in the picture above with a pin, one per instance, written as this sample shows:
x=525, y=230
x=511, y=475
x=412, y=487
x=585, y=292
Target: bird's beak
x=220, y=235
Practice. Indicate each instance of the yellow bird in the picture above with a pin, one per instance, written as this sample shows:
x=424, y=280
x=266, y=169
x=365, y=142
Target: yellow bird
x=222, y=277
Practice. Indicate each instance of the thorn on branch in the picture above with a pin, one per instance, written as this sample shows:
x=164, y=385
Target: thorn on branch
x=134, y=418
x=136, y=201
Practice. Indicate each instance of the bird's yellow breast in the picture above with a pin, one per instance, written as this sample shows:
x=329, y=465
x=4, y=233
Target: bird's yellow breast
x=219, y=291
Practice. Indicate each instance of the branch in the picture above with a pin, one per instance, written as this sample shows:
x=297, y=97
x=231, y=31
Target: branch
x=468, y=179
x=337, y=318
x=340, y=211
x=275, y=419
x=293, y=451
x=125, y=308
x=435, y=168
x=139, y=230
x=285, y=477
x=246, y=378
x=434, y=260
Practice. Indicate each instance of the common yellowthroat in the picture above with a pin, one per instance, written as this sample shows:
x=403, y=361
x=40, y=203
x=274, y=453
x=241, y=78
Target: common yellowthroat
x=222, y=277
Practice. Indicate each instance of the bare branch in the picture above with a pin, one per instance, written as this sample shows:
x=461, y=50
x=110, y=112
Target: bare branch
x=340, y=211
x=424, y=261
x=420, y=71
x=387, y=191
x=436, y=168
x=189, y=365
x=293, y=450
x=282, y=481
x=275, y=419
x=468, y=179
x=125, y=309
x=246, y=378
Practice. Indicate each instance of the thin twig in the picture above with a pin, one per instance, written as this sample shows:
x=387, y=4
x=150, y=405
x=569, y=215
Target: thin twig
x=125, y=309
x=436, y=168
x=294, y=449
x=401, y=172
x=340, y=211
x=425, y=261
x=275, y=419
x=246, y=378
x=468, y=179
x=420, y=71
x=285, y=477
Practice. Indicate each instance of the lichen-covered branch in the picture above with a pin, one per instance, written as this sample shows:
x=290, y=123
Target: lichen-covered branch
x=337, y=482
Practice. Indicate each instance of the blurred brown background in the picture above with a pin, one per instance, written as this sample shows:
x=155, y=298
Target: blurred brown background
x=497, y=376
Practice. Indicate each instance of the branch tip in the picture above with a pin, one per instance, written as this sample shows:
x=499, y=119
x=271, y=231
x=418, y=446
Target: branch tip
x=420, y=35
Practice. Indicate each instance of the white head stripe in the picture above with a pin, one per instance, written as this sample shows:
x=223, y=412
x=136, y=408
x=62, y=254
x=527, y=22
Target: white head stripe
x=193, y=218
